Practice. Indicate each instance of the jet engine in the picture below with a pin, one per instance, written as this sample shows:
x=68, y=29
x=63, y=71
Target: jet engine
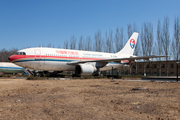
x=85, y=69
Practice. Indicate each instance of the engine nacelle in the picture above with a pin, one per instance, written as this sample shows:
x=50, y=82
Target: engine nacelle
x=85, y=69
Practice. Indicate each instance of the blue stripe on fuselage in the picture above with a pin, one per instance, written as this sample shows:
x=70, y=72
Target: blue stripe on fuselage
x=11, y=68
x=54, y=60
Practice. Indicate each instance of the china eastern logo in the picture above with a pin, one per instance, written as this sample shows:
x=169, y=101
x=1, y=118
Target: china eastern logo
x=132, y=43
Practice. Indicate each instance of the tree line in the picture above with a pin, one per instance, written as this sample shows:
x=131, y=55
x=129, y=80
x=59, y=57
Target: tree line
x=148, y=43
x=4, y=54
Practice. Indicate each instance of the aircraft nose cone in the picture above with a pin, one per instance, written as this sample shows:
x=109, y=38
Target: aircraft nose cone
x=10, y=59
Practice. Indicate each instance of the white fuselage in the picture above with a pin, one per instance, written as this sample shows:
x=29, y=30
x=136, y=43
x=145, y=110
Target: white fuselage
x=53, y=59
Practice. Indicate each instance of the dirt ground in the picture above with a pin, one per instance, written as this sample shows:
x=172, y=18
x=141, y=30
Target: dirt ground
x=87, y=99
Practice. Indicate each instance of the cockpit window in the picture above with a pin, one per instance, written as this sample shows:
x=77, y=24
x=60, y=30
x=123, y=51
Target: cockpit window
x=20, y=53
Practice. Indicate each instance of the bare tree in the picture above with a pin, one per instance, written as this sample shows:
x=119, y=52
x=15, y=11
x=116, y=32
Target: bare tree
x=117, y=40
x=176, y=40
x=165, y=36
x=4, y=54
x=111, y=47
x=98, y=42
x=109, y=42
x=159, y=39
x=121, y=39
x=88, y=45
x=66, y=44
x=159, y=43
x=147, y=41
x=130, y=31
x=80, y=45
x=73, y=42
x=166, y=40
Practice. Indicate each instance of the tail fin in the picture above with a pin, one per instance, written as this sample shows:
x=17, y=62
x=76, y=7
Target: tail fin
x=129, y=48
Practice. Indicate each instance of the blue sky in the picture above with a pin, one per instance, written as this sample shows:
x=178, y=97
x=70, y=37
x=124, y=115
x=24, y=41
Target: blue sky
x=32, y=23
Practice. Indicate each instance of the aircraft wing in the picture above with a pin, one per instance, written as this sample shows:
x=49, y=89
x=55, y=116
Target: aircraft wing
x=117, y=59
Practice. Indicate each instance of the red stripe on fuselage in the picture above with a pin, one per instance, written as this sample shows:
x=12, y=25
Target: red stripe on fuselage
x=18, y=57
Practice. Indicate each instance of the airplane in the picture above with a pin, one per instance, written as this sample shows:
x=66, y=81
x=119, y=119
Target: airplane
x=7, y=67
x=81, y=62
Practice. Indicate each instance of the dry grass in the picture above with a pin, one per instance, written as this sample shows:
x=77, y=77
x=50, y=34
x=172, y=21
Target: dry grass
x=88, y=99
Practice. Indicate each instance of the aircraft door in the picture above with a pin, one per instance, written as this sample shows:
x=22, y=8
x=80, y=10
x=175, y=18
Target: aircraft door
x=80, y=57
x=37, y=54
